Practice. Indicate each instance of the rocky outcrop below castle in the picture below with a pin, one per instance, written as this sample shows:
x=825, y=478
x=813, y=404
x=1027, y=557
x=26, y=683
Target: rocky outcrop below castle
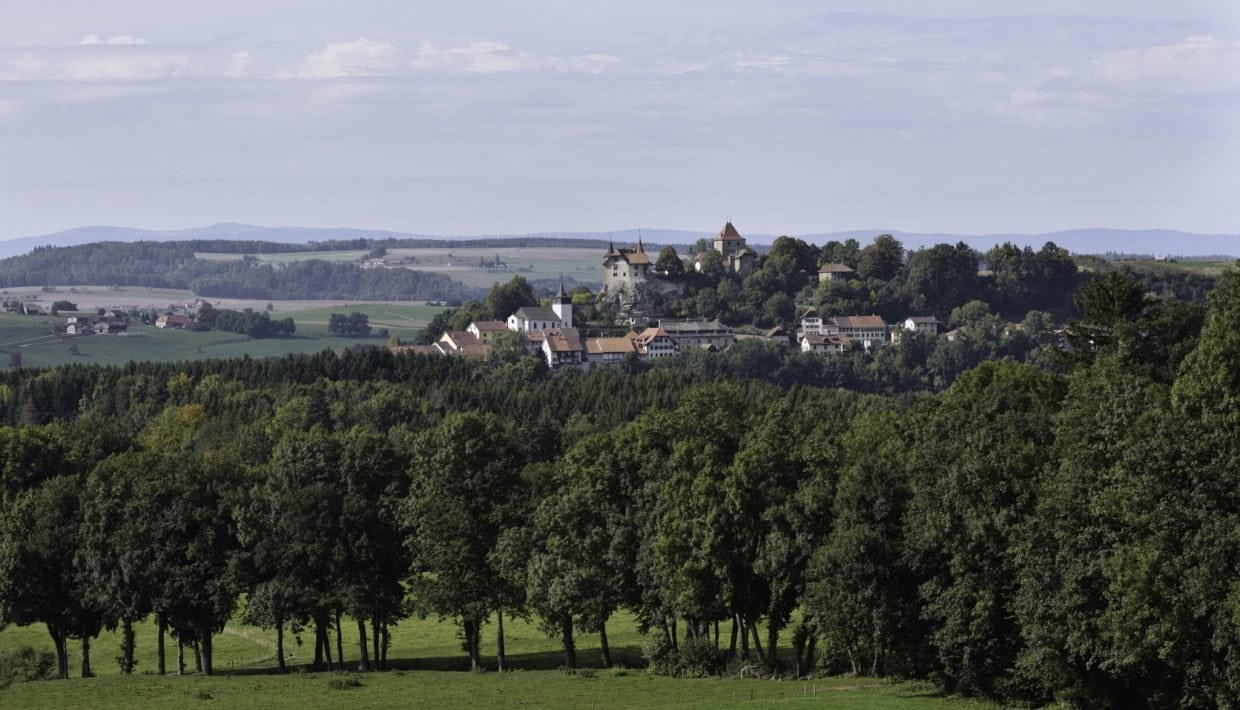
x=638, y=300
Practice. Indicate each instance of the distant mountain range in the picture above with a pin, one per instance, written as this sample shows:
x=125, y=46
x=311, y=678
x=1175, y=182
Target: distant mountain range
x=1081, y=241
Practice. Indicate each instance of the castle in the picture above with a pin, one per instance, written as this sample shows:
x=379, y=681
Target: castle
x=624, y=267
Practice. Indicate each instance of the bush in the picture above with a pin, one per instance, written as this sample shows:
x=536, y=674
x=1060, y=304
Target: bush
x=699, y=658
x=659, y=654
x=344, y=682
x=696, y=658
x=25, y=664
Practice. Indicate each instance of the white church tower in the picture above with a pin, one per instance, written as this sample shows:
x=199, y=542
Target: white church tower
x=562, y=304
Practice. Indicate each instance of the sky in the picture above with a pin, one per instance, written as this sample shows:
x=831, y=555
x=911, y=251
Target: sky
x=469, y=117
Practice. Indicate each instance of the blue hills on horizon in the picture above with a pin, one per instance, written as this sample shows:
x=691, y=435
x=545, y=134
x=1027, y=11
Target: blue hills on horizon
x=1080, y=241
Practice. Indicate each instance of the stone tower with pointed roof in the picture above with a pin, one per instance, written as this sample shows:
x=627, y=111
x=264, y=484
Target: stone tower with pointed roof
x=737, y=257
x=625, y=267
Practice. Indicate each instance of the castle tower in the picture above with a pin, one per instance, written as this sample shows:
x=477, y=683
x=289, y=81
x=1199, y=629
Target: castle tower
x=562, y=304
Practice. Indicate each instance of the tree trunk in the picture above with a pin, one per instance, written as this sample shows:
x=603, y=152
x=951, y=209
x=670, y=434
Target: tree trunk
x=280, y=646
x=675, y=640
x=772, y=639
x=716, y=635
x=159, y=648
x=207, y=668
x=809, y=653
x=197, y=656
x=387, y=642
x=62, y=651
x=757, y=642
x=570, y=646
x=499, y=639
x=744, y=637
x=180, y=655
x=602, y=640
x=318, y=646
x=327, y=644
x=732, y=644
x=374, y=628
x=361, y=637
x=471, y=643
x=339, y=643
x=86, y=655
x=127, y=646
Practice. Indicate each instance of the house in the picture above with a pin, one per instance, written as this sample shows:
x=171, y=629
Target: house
x=624, y=267
x=32, y=309
x=926, y=325
x=867, y=330
x=172, y=320
x=601, y=350
x=811, y=322
x=79, y=325
x=835, y=272
x=689, y=334
x=779, y=336
x=484, y=330
x=106, y=326
x=461, y=342
x=654, y=343
x=819, y=343
x=563, y=346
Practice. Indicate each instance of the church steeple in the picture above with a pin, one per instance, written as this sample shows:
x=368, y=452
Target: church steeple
x=562, y=304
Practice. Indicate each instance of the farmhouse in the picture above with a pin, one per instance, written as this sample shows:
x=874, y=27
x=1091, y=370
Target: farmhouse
x=654, y=343
x=563, y=346
x=835, y=272
x=689, y=334
x=461, y=342
x=602, y=350
x=172, y=320
x=819, y=343
x=484, y=330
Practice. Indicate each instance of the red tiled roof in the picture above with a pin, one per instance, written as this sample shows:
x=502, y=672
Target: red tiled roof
x=729, y=233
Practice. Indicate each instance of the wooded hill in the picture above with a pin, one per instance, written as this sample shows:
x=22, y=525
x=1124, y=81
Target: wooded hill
x=1032, y=535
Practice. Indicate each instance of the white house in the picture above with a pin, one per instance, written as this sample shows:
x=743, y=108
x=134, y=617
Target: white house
x=819, y=343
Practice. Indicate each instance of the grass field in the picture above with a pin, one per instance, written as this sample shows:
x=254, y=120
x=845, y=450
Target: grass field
x=36, y=338
x=1205, y=268
x=463, y=264
x=432, y=674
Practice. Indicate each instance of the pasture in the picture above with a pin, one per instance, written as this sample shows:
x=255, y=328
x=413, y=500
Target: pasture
x=1203, y=268
x=431, y=672
x=466, y=264
x=41, y=342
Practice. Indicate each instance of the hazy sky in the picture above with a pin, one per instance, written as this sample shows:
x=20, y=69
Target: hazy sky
x=466, y=117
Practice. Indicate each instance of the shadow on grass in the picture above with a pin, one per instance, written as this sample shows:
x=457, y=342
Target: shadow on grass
x=626, y=656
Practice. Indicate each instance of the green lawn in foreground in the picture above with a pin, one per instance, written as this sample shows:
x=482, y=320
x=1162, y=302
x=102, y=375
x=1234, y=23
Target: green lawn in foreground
x=432, y=674
x=433, y=689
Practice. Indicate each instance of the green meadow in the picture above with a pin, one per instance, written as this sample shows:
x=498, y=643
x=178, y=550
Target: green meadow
x=429, y=670
x=41, y=345
x=463, y=264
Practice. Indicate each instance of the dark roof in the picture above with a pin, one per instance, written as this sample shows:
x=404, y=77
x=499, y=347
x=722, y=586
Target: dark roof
x=536, y=313
x=729, y=233
x=836, y=269
x=635, y=256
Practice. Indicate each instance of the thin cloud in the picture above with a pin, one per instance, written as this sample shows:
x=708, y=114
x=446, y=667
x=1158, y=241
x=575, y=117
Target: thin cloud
x=1193, y=56
x=114, y=40
x=356, y=58
x=486, y=57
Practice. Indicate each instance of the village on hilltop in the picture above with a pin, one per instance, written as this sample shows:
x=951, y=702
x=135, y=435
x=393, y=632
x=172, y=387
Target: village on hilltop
x=550, y=332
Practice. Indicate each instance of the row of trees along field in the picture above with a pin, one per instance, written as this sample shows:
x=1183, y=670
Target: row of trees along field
x=1028, y=534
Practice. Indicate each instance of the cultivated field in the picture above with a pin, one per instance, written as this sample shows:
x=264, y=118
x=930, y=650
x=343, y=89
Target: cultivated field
x=462, y=265
x=1205, y=268
x=432, y=674
x=42, y=343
